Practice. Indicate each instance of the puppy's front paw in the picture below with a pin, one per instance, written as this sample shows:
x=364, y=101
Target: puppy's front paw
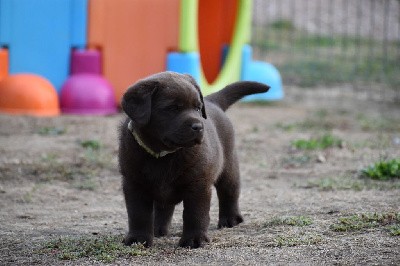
x=230, y=221
x=130, y=239
x=160, y=231
x=194, y=241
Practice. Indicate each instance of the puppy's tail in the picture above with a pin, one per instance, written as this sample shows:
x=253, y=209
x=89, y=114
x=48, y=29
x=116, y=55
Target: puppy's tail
x=234, y=92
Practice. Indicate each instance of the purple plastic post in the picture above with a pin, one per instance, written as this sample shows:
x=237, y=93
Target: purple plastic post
x=86, y=62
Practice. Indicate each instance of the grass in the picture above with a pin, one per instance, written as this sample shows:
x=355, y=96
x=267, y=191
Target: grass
x=358, y=222
x=79, y=175
x=319, y=120
x=323, y=142
x=296, y=160
x=51, y=170
x=81, y=172
x=91, y=144
x=385, y=124
x=310, y=123
x=388, y=221
x=394, y=229
x=383, y=170
x=327, y=120
x=283, y=24
x=310, y=60
x=286, y=126
x=301, y=238
x=98, y=248
x=312, y=72
x=318, y=41
x=85, y=183
x=331, y=184
x=291, y=220
x=52, y=131
x=349, y=183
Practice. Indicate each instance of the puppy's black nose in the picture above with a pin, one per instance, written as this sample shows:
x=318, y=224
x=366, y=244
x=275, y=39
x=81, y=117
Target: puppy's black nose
x=197, y=126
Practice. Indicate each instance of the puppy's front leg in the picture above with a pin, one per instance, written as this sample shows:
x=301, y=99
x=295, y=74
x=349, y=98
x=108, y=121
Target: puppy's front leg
x=162, y=218
x=140, y=216
x=196, y=217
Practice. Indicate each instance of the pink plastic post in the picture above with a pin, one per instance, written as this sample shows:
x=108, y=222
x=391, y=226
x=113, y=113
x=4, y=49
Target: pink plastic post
x=86, y=62
x=87, y=94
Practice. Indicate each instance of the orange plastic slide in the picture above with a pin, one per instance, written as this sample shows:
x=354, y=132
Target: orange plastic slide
x=134, y=37
x=216, y=24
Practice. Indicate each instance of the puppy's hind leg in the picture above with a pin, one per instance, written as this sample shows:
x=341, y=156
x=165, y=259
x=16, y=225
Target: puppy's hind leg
x=162, y=218
x=228, y=190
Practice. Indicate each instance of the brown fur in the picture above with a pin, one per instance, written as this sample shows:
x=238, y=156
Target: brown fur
x=168, y=113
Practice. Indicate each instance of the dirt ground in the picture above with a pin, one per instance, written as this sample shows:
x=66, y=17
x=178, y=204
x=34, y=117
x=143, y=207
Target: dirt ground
x=59, y=179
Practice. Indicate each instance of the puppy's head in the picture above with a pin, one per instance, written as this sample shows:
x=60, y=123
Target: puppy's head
x=169, y=107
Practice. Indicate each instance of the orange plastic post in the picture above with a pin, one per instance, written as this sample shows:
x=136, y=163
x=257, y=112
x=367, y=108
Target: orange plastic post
x=216, y=24
x=134, y=37
x=3, y=63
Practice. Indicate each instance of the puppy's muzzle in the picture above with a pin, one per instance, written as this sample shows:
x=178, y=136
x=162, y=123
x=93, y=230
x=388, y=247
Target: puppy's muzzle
x=197, y=127
x=188, y=134
x=198, y=131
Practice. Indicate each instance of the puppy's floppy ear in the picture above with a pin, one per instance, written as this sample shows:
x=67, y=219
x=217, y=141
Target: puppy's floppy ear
x=136, y=101
x=194, y=83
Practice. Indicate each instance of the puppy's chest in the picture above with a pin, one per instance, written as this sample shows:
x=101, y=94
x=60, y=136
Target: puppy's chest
x=165, y=181
x=166, y=193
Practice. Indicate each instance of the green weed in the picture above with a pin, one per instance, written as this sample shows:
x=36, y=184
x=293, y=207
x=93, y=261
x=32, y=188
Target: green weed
x=291, y=220
x=349, y=183
x=383, y=170
x=85, y=183
x=322, y=142
x=366, y=220
x=49, y=158
x=310, y=123
x=290, y=241
x=296, y=160
x=52, y=131
x=386, y=124
x=91, y=144
x=282, y=24
x=316, y=41
x=318, y=121
x=285, y=127
x=394, y=229
x=310, y=60
x=329, y=184
x=99, y=248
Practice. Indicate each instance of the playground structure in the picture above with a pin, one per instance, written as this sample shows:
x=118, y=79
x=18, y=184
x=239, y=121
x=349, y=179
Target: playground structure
x=92, y=50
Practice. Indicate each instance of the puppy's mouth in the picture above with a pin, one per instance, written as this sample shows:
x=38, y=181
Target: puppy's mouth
x=174, y=144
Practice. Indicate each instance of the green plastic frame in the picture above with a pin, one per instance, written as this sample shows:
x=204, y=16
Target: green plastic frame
x=189, y=42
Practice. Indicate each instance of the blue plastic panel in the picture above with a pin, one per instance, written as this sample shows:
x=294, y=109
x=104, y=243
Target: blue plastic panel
x=40, y=35
x=185, y=63
x=261, y=72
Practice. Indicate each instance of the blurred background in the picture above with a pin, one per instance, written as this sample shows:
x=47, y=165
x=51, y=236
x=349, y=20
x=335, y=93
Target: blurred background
x=320, y=167
x=332, y=43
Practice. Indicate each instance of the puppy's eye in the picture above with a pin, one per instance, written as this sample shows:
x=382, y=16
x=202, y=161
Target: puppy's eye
x=198, y=107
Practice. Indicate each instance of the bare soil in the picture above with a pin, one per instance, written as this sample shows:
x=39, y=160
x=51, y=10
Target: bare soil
x=51, y=186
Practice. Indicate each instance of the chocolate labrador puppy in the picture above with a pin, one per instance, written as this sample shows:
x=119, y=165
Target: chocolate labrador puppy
x=174, y=146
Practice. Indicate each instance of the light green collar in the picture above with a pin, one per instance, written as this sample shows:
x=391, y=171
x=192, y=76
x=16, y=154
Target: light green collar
x=144, y=146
